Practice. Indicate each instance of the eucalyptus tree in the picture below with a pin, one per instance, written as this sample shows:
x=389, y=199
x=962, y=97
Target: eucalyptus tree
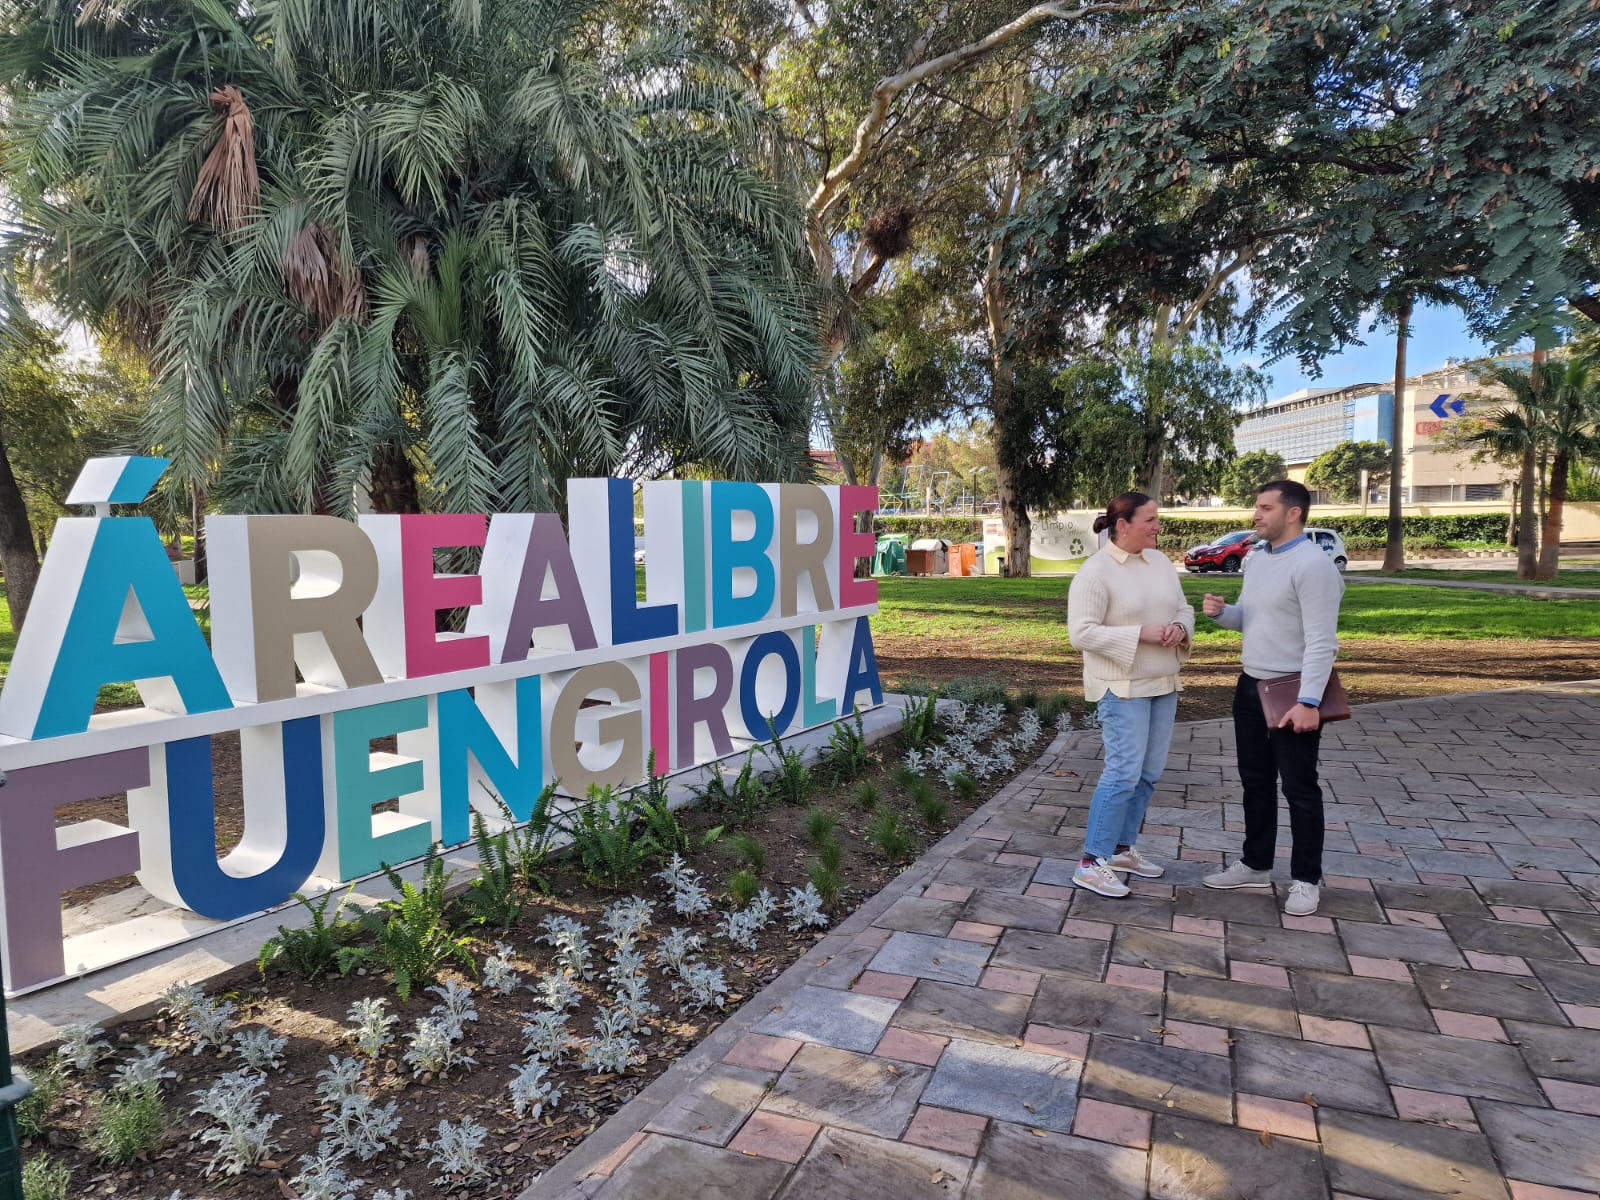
x=455, y=250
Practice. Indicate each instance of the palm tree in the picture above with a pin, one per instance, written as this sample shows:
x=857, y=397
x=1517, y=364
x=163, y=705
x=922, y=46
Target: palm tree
x=1570, y=427
x=452, y=250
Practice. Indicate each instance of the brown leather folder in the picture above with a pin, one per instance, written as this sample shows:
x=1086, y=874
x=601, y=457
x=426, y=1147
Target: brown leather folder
x=1279, y=695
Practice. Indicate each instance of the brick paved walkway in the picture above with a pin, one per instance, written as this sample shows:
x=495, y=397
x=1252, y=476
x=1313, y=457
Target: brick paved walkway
x=983, y=1029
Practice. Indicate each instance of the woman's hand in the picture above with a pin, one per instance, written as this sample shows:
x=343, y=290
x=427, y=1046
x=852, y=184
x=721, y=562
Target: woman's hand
x=1175, y=633
x=1155, y=635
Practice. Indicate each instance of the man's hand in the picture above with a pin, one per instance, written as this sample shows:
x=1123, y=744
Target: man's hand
x=1302, y=718
x=1213, y=605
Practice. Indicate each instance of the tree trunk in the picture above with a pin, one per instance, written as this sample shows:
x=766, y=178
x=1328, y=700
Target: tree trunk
x=1527, y=527
x=393, y=482
x=1511, y=517
x=1550, y=540
x=1394, y=549
x=1019, y=527
x=17, y=557
x=197, y=521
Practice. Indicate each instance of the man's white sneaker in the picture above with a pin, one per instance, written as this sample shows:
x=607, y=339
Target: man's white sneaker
x=1132, y=861
x=1239, y=876
x=1303, y=898
x=1098, y=877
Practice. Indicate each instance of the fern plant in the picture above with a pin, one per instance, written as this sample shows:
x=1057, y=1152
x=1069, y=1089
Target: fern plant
x=920, y=721
x=611, y=849
x=494, y=898
x=745, y=798
x=791, y=778
x=414, y=942
x=848, y=753
x=661, y=824
x=318, y=948
x=529, y=843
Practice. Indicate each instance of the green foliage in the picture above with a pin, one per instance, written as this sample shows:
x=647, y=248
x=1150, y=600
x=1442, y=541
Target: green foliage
x=530, y=842
x=743, y=885
x=750, y=851
x=45, y=1179
x=494, y=899
x=315, y=949
x=1338, y=471
x=919, y=725
x=820, y=825
x=414, y=941
x=1052, y=706
x=867, y=795
x=848, y=753
x=529, y=253
x=830, y=854
x=826, y=880
x=964, y=786
x=661, y=824
x=1179, y=533
x=613, y=849
x=953, y=529
x=33, y=1112
x=889, y=837
x=932, y=807
x=745, y=798
x=127, y=1123
x=1247, y=472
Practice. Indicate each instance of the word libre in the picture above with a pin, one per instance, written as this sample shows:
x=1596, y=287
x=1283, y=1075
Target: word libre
x=326, y=638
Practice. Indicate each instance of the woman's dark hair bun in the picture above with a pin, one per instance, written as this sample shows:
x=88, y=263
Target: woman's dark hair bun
x=1100, y=523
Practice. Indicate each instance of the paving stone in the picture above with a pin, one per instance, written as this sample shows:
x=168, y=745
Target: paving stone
x=848, y=1166
x=1247, y=906
x=1505, y=937
x=1282, y=1118
x=1395, y=835
x=1285, y=947
x=1460, y=1066
x=1229, y=1003
x=1027, y=950
x=907, y=1045
x=1569, y=982
x=761, y=1053
x=844, y=1019
x=1015, y=912
x=1402, y=942
x=1438, y=1108
x=1016, y=1163
x=1485, y=993
x=1521, y=894
x=917, y=914
x=713, y=1108
x=1067, y=1003
x=876, y=983
x=1343, y=904
x=1290, y=1069
x=1115, y=1123
x=1422, y=898
x=946, y=959
x=1582, y=928
x=1549, y=858
x=1193, y=1160
x=1179, y=953
x=1006, y=1084
x=1456, y=862
x=1334, y=1033
x=848, y=1091
x=1558, y=1053
x=1349, y=998
x=1384, y=1159
x=1544, y=1146
x=962, y=873
x=954, y=1011
x=1572, y=1097
x=1159, y=1078
x=1154, y=912
x=942, y=1129
x=665, y=1168
x=1393, y=869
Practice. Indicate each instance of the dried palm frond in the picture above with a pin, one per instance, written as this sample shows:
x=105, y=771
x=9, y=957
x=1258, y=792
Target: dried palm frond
x=109, y=12
x=887, y=232
x=318, y=277
x=227, y=191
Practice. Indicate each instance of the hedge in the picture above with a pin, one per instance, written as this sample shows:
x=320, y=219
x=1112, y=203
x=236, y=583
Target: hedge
x=954, y=529
x=1183, y=532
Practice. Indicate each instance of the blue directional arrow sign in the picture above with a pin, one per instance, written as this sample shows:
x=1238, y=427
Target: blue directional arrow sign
x=1438, y=406
x=1458, y=406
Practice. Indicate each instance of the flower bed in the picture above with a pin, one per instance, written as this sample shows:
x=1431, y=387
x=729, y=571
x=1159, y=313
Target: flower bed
x=457, y=1045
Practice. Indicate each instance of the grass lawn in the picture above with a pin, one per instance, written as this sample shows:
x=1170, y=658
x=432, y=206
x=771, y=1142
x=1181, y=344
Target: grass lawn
x=974, y=612
x=1567, y=579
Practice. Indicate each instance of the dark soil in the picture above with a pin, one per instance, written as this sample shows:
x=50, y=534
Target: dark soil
x=313, y=1016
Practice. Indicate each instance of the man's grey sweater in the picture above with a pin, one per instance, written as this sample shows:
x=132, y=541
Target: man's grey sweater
x=1289, y=612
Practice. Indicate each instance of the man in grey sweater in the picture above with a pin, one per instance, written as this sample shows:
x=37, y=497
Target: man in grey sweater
x=1288, y=610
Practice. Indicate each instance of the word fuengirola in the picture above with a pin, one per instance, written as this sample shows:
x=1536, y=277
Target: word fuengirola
x=324, y=639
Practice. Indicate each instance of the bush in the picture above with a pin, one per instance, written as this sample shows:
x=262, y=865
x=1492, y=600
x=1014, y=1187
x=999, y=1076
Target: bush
x=1179, y=533
x=867, y=795
x=826, y=880
x=494, y=898
x=743, y=886
x=889, y=837
x=320, y=947
x=953, y=529
x=127, y=1122
x=45, y=1179
x=819, y=825
x=414, y=942
x=33, y=1113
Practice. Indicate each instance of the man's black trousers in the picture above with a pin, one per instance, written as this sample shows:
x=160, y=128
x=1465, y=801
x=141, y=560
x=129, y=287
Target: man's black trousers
x=1266, y=757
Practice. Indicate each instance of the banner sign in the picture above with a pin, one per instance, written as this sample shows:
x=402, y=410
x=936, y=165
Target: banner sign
x=325, y=638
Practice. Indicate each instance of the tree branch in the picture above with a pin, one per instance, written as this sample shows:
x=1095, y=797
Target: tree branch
x=1218, y=278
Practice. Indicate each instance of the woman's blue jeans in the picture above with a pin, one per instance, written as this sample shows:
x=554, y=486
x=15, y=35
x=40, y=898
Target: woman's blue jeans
x=1137, y=735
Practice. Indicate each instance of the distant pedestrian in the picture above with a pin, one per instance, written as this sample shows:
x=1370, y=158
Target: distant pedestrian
x=1127, y=615
x=1288, y=610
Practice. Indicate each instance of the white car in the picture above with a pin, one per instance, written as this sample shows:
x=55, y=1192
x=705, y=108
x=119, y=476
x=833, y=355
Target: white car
x=1330, y=541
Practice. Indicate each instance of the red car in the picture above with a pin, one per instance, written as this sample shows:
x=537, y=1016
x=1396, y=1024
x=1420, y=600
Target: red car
x=1224, y=554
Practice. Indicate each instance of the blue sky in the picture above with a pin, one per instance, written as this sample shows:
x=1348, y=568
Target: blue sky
x=1437, y=336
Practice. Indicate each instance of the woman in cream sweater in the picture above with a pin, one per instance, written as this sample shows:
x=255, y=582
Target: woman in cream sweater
x=1127, y=615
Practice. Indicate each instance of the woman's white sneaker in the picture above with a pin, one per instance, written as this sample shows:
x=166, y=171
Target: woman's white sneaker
x=1098, y=877
x=1132, y=861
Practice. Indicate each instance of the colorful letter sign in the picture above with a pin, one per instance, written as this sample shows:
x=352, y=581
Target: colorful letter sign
x=326, y=638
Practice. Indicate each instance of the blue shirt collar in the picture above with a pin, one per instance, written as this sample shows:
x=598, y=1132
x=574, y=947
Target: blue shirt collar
x=1289, y=545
